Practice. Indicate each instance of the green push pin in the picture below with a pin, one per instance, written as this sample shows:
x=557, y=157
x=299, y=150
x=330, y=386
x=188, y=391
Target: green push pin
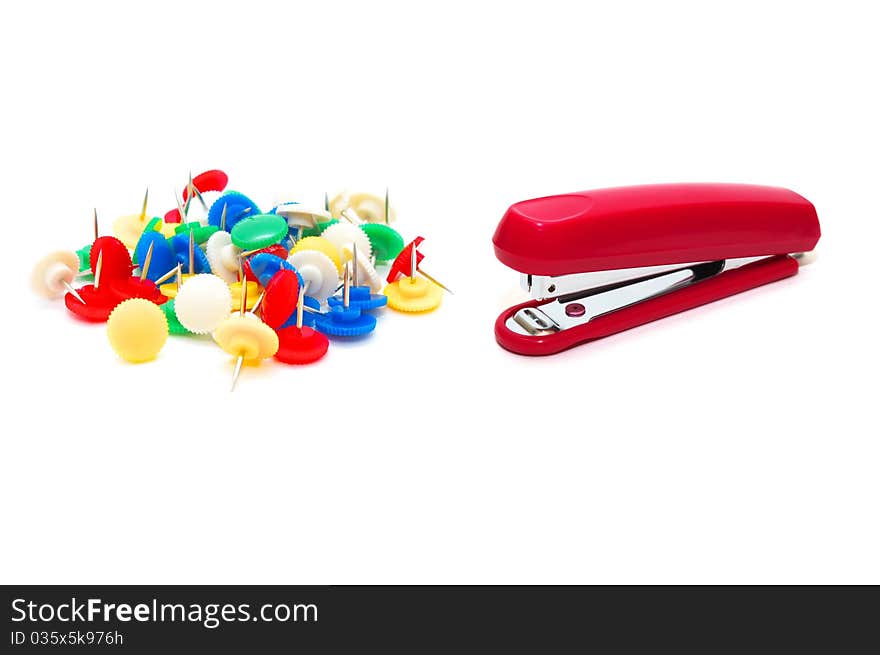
x=174, y=324
x=84, y=253
x=386, y=241
x=320, y=227
x=201, y=233
x=259, y=231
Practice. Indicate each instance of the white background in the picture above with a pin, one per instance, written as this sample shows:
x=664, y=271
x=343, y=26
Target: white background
x=736, y=443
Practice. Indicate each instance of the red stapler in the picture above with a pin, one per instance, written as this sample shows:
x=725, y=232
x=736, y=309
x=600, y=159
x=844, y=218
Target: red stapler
x=600, y=262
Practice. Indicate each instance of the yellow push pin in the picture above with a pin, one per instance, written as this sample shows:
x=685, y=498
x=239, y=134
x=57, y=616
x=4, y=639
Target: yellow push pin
x=137, y=330
x=321, y=245
x=245, y=337
x=413, y=294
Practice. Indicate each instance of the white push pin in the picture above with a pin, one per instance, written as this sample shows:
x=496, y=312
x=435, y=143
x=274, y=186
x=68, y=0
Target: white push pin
x=202, y=303
x=344, y=235
x=318, y=271
x=364, y=271
x=223, y=256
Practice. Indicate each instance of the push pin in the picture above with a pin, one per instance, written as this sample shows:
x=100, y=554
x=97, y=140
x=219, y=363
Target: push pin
x=322, y=245
x=174, y=325
x=362, y=297
x=412, y=293
x=238, y=206
x=343, y=235
x=317, y=270
x=223, y=256
x=202, y=303
x=137, y=329
x=407, y=263
x=163, y=258
x=280, y=298
x=116, y=262
x=246, y=338
x=98, y=302
x=345, y=320
x=301, y=344
x=138, y=286
x=385, y=241
x=54, y=274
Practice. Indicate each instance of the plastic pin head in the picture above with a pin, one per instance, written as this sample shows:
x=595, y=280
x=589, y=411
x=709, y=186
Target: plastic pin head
x=413, y=295
x=342, y=322
x=137, y=329
x=246, y=338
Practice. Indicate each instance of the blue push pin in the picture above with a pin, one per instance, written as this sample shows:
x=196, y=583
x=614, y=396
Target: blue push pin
x=359, y=297
x=188, y=254
x=237, y=207
x=265, y=265
x=163, y=258
x=345, y=320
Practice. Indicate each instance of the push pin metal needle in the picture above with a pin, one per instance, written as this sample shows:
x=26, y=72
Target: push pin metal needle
x=73, y=292
x=144, y=206
x=240, y=359
x=98, y=266
x=198, y=195
x=146, y=265
x=433, y=279
x=170, y=274
x=346, y=285
x=223, y=219
x=181, y=210
x=96, y=223
x=257, y=304
x=179, y=275
x=326, y=202
x=354, y=260
x=300, y=304
x=386, y=205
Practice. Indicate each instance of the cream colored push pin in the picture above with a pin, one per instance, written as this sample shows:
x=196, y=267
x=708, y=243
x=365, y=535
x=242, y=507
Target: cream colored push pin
x=245, y=337
x=54, y=274
x=129, y=228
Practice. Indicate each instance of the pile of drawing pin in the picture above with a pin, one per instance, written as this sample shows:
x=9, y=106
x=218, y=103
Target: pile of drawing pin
x=262, y=284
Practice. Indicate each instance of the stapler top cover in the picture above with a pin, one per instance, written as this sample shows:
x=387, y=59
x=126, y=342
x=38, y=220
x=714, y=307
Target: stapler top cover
x=653, y=225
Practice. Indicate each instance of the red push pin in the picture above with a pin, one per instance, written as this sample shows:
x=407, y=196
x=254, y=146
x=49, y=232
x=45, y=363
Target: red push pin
x=97, y=303
x=279, y=300
x=115, y=257
x=138, y=286
x=403, y=265
x=213, y=180
x=300, y=345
